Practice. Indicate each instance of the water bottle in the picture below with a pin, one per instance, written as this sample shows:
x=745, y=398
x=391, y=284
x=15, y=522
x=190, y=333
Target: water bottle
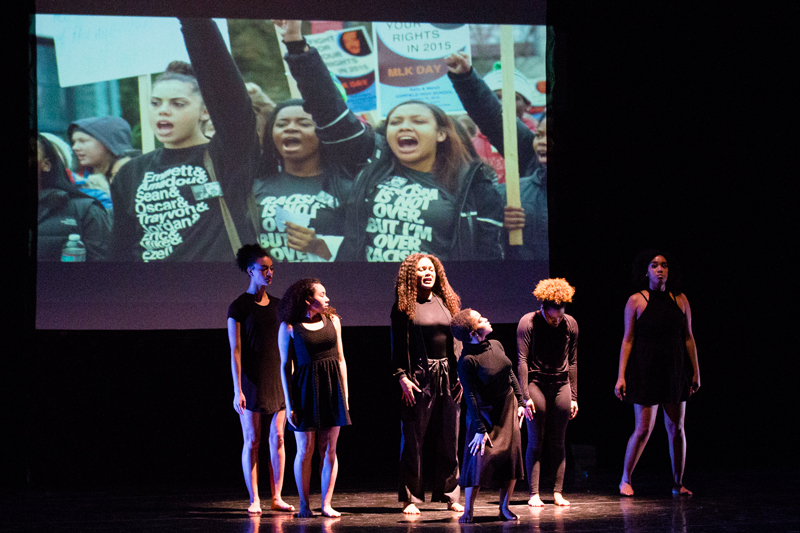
x=74, y=250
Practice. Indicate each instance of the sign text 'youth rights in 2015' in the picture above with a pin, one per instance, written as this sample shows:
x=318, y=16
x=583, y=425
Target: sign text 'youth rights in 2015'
x=411, y=63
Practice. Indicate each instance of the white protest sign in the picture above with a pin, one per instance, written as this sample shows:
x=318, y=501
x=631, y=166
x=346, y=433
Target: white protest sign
x=92, y=48
x=349, y=55
x=411, y=63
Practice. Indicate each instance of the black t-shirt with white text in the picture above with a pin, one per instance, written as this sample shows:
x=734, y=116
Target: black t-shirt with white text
x=313, y=202
x=409, y=212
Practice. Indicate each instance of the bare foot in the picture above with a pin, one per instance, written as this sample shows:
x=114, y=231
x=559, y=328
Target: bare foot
x=280, y=505
x=681, y=491
x=304, y=512
x=330, y=512
x=535, y=501
x=254, y=508
x=506, y=514
x=410, y=508
x=455, y=507
x=625, y=489
x=465, y=518
x=559, y=499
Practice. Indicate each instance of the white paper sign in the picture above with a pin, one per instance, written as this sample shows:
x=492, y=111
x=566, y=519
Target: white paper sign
x=92, y=48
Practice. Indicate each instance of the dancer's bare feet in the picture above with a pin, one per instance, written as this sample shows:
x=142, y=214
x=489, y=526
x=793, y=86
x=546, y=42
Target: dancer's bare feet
x=330, y=512
x=304, y=512
x=535, y=501
x=455, y=507
x=254, y=508
x=280, y=505
x=507, y=514
x=466, y=518
x=680, y=491
x=625, y=489
x=559, y=499
x=410, y=508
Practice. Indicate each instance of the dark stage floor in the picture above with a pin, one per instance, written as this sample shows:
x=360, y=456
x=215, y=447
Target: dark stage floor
x=754, y=502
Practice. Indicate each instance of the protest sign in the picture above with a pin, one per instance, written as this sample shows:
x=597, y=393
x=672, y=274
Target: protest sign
x=411, y=63
x=91, y=48
x=348, y=54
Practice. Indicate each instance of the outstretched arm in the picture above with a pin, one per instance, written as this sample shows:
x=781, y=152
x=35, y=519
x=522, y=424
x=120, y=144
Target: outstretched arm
x=221, y=85
x=284, y=337
x=524, y=349
x=400, y=356
x=627, y=343
x=691, y=347
x=485, y=109
x=342, y=364
x=235, y=341
x=573, y=369
x=468, y=373
x=344, y=138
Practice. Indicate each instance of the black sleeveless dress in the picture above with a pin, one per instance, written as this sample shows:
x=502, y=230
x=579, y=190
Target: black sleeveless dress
x=659, y=370
x=317, y=385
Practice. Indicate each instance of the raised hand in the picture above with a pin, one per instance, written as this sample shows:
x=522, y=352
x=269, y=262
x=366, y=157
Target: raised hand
x=289, y=29
x=458, y=63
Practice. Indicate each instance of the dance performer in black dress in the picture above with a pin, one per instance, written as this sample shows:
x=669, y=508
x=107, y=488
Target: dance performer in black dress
x=495, y=408
x=657, y=362
x=255, y=366
x=315, y=391
x=424, y=362
x=547, y=361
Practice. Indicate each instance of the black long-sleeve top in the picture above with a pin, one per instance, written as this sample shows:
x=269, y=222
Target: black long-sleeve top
x=547, y=352
x=486, y=374
x=415, y=342
x=485, y=109
x=161, y=209
x=343, y=138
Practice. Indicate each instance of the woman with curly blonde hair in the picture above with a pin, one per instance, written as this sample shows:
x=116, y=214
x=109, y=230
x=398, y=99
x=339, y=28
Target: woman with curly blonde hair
x=547, y=366
x=425, y=365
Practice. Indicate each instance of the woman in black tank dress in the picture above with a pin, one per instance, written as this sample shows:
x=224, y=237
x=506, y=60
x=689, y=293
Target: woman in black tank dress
x=314, y=381
x=255, y=363
x=657, y=363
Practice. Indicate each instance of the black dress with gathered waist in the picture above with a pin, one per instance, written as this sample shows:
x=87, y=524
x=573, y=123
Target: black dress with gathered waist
x=658, y=368
x=318, y=393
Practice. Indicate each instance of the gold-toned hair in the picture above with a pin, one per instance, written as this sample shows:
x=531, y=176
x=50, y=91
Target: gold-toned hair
x=406, y=286
x=554, y=290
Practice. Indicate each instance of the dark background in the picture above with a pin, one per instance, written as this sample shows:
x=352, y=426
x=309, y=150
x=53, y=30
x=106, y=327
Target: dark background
x=669, y=128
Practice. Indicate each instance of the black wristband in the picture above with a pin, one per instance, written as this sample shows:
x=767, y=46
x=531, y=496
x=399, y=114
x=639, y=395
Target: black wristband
x=296, y=47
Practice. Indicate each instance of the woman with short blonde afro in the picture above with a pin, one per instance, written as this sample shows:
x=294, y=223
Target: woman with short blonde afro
x=547, y=366
x=425, y=365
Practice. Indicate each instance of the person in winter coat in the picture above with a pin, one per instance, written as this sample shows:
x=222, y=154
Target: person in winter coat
x=64, y=209
x=417, y=189
x=486, y=111
x=101, y=145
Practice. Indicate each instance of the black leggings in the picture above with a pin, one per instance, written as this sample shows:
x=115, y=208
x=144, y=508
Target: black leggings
x=552, y=402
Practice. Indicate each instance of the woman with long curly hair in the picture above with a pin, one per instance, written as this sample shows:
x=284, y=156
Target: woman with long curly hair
x=547, y=365
x=314, y=381
x=425, y=365
x=657, y=362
